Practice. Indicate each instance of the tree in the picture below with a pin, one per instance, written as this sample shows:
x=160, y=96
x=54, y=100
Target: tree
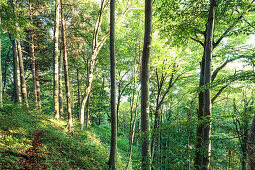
x=96, y=46
x=33, y=57
x=145, y=120
x=1, y=79
x=68, y=102
x=22, y=74
x=56, y=65
x=207, y=81
x=112, y=158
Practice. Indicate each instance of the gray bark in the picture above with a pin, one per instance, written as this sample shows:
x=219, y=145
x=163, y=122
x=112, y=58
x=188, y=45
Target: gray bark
x=69, y=111
x=113, y=149
x=207, y=92
x=251, y=147
x=56, y=54
x=145, y=119
x=22, y=75
x=1, y=79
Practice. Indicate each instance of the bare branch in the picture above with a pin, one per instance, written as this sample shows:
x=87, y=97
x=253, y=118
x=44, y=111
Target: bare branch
x=197, y=41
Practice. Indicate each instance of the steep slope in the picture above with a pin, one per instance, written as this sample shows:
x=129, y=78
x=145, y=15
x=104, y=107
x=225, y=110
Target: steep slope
x=32, y=140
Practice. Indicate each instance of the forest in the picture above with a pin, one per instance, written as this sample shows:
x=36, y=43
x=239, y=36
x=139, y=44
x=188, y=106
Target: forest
x=127, y=84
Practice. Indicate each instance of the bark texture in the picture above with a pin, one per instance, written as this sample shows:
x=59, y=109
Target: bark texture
x=145, y=118
x=112, y=158
x=1, y=79
x=251, y=147
x=56, y=64
x=67, y=85
x=16, y=78
x=22, y=75
x=207, y=92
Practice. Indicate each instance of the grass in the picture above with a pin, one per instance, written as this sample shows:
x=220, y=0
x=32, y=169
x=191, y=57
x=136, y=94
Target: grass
x=21, y=146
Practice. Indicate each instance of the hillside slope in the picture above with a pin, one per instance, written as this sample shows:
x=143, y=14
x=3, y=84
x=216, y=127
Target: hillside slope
x=32, y=140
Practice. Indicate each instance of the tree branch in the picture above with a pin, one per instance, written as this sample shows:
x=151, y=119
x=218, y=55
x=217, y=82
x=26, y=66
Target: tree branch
x=197, y=41
x=215, y=72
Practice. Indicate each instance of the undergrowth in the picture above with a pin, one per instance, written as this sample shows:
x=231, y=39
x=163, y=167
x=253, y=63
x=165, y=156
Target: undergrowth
x=32, y=140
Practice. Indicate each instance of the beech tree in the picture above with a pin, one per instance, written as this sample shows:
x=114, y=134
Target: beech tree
x=112, y=158
x=68, y=102
x=56, y=61
x=145, y=120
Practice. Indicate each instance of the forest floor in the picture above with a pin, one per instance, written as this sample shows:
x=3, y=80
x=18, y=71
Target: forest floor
x=32, y=140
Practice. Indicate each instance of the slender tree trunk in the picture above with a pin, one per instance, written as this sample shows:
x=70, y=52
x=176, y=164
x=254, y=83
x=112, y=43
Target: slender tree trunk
x=5, y=70
x=60, y=96
x=69, y=111
x=145, y=117
x=1, y=79
x=78, y=87
x=22, y=75
x=207, y=81
x=56, y=54
x=245, y=145
x=32, y=53
x=33, y=70
x=38, y=85
x=198, y=153
x=132, y=133
x=113, y=149
x=251, y=147
x=87, y=105
x=96, y=46
x=16, y=78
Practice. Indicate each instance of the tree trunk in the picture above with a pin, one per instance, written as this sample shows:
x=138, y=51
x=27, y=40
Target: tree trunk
x=207, y=81
x=145, y=117
x=60, y=70
x=1, y=79
x=78, y=88
x=69, y=111
x=251, y=147
x=16, y=78
x=56, y=54
x=32, y=53
x=33, y=70
x=132, y=132
x=37, y=71
x=22, y=75
x=198, y=153
x=96, y=46
x=112, y=158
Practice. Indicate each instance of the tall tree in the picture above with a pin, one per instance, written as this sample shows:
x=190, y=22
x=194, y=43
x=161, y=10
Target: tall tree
x=113, y=149
x=207, y=81
x=22, y=74
x=32, y=47
x=16, y=78
x=145, y=120
x=56, y=54
x=96, y=46
x=251, y=147
x=1, y=79
x=67, y=85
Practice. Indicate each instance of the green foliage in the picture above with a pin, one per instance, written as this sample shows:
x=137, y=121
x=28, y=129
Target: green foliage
x=81, y=149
